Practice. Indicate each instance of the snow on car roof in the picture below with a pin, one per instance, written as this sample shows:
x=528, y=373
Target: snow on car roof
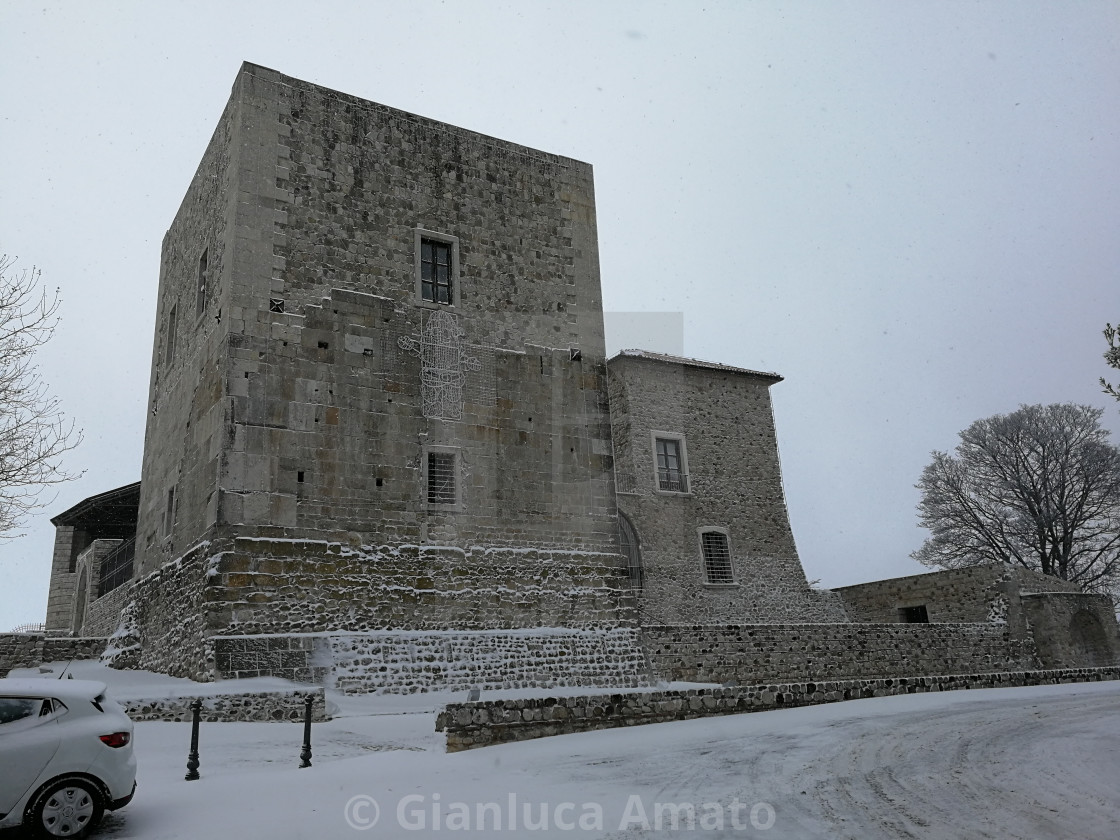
x=60, y=689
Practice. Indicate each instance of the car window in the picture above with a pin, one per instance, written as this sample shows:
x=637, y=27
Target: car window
x=18, y=708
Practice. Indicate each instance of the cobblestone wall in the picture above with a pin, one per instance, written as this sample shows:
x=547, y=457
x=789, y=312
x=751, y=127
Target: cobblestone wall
x=486, y=722
x=404, y=662
x=260, y=707
x=750, y=654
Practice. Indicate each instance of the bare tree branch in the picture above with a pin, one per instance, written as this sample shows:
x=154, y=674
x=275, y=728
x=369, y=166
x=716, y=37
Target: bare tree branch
x=1039, y=487
x=1112, y=356
x=34, y=432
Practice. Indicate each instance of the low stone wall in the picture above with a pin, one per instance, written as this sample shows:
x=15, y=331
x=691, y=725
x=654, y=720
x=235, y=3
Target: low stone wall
x=486, y=722
x=258, y=707
x=30, y=650
x=404, y=662
x=757, y=653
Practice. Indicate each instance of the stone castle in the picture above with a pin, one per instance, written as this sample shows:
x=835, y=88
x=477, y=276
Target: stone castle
x=386, y=450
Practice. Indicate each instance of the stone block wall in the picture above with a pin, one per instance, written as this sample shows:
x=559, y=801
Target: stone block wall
x=978, y=593
x=60, y=598
x=30, y=650
x=301, y=586
x=749, y=654
x=723, y=420
x=1073, y=629
x=486, y=722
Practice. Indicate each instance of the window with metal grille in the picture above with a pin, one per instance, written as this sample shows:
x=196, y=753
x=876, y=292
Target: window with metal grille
x=717, y=557
x=116, y=567
x=670, y=466
x=441, y=478
x=435, y=271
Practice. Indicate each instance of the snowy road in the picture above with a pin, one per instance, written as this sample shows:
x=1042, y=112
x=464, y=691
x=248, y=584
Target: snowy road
x=1031, y=763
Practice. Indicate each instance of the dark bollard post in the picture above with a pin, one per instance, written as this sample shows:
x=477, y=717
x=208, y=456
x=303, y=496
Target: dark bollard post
x=305, y=753
x=192, y=758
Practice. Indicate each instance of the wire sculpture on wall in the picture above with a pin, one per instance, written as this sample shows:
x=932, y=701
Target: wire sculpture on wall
x=443, y=364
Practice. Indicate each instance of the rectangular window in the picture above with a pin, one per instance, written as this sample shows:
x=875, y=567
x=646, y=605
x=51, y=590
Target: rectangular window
x=435, y=271
x=200, y=297
x=169, y=348
x=671, y=473
x=442, y=487
x=913, y=615
x=436, y=268
x=717, y=557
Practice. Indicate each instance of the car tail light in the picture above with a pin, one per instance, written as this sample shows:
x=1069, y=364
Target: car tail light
x=116, y=739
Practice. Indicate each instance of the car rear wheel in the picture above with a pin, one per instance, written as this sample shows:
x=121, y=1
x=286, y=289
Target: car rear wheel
x=67, y=807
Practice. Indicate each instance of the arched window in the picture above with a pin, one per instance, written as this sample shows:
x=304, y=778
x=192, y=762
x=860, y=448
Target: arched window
x=631, y=550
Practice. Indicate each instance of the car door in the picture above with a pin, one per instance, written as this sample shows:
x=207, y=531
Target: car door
x=29, y=739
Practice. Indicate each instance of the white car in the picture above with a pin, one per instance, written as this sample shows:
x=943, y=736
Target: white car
x=65, y=756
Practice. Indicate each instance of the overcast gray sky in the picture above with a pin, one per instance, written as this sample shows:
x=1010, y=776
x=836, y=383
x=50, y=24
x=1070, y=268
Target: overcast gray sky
x=909, y=210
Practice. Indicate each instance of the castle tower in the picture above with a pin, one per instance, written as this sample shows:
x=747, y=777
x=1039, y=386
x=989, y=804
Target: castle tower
x=378, y=398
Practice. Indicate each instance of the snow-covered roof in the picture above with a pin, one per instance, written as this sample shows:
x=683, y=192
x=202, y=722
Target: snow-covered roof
x=696, y=363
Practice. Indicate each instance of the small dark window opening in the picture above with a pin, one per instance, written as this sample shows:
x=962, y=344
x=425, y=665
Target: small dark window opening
x=169, y=514
x=200, y=298
x=913, y=615
x=717, y=557
x=299, y=476
x=670, y=469
x=275, y=305
x=435, y=271
x=169, y=349
x=324, y=345
x=441, y=478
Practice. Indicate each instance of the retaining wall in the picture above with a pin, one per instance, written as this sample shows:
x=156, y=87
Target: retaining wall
x=482, y=723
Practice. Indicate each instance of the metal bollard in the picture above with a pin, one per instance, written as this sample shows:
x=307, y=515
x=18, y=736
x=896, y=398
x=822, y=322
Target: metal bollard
x=192, y=758
x=305, y=753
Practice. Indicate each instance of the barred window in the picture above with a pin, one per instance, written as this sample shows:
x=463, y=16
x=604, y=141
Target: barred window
x=442, y=489
x=671, y=474
x=717, y=557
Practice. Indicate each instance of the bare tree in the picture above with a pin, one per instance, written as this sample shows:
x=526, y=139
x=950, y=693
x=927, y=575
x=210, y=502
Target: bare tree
x=1039, y=487
x=1112, y=356
x=34, y=433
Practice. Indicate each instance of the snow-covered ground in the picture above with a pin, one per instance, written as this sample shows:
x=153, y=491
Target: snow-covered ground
x=1032, y=763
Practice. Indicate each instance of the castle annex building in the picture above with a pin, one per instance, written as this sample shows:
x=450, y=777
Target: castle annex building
x=386, y=450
